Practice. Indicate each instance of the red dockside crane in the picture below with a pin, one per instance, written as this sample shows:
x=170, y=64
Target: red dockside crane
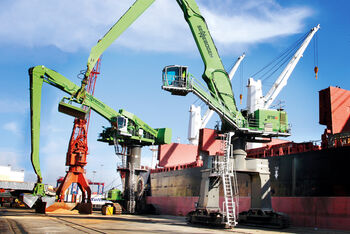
x=78, y=149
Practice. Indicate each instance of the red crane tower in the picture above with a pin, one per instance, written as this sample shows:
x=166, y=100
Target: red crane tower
x=78, y=149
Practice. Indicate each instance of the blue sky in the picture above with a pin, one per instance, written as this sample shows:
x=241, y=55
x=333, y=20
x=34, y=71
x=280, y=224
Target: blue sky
x=60, y=34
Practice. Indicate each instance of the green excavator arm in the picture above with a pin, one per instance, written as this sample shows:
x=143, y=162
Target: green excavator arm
x=116, y=30
x=40, y=74
x=214, y=74
x=219, y=95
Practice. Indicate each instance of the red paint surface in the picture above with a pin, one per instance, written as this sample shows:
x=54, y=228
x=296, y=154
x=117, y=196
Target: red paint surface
x=209, y=143
x=174, y=154
x=320, y=212
x=282, y=149
x=335, y=109
x=173, y=205
x=182, y=205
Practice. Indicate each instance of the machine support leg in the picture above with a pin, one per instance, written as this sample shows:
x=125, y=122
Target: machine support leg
x=133, y=163
x=261, y=194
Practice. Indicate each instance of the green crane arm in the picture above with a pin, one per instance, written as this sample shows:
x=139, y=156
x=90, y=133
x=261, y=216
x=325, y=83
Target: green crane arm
x=214, y=74
x=117, y=29
x=40, y=74
x=220, y=97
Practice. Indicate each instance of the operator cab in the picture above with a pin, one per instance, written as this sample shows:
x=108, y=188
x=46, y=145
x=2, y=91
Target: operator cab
x=175, y=80
x=122, y=126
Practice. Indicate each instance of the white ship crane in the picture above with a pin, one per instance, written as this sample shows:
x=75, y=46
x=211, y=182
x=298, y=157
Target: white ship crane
x=255, y=99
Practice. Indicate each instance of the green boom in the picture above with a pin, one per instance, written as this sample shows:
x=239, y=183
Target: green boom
x=214, y=74
x=116, y=30
x=220, y=97
x=40, y=74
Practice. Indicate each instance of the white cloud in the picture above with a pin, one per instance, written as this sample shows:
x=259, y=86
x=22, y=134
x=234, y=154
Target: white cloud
x=12, y=127
x=73, y=25
x=248, y=28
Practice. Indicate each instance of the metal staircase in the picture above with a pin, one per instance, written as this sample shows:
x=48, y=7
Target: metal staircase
x=230, y=186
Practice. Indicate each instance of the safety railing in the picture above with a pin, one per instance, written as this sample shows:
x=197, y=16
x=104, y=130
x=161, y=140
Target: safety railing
x=181, y=85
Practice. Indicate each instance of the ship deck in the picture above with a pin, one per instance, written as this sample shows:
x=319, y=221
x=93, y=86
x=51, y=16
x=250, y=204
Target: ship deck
x=26, y=221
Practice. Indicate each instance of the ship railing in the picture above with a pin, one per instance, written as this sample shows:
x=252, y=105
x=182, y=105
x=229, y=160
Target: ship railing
x=339, y=139
x=198, y=163
x=254, y=124
x=219, y=166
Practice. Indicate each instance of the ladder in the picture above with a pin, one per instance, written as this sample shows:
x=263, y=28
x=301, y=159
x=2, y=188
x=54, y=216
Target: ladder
x=230, y=186
x=120, y=151
x=229, y=204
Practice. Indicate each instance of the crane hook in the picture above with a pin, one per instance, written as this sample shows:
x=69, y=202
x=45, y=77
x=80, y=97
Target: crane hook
x=316, y=71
